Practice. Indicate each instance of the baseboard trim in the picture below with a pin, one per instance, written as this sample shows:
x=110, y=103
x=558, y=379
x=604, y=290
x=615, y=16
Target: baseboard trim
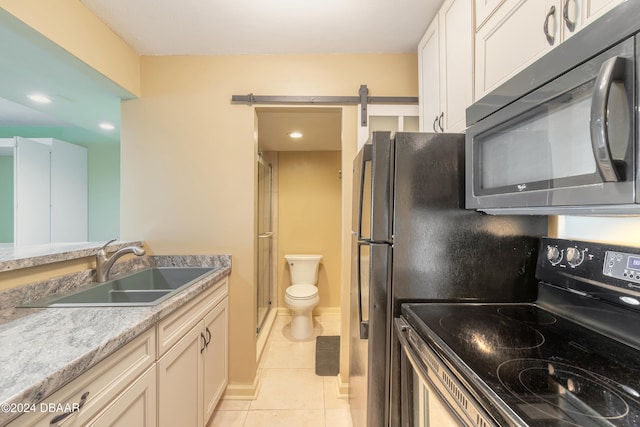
x=342, y=388
x=318, y=311
x=242, y=391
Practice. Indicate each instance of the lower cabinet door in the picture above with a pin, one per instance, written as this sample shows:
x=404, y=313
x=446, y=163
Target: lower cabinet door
x=180, y=383
x=215, y=357
x=136, y=406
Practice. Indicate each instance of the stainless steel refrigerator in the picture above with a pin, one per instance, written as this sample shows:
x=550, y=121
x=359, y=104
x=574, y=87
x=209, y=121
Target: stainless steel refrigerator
x=412, y=240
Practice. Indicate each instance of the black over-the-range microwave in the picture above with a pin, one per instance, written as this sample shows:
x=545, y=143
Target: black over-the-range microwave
x=561, y=137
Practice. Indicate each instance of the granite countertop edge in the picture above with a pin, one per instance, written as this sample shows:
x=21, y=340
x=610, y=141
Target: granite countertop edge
x=83, y=337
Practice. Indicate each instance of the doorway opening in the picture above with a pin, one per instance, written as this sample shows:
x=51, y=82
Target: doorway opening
x=303, y=206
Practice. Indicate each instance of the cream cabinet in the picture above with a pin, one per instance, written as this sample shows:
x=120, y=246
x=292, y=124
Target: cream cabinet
x=173, y=374
x=595, y=8
x=445, y=62
x=110, y=390
x=512, y=34
x=518, y=33
x=192, y=372
x=136, y=406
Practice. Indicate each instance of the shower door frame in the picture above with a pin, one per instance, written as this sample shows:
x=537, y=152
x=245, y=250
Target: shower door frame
x=267, y=235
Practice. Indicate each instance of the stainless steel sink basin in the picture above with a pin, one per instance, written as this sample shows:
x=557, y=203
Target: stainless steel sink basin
x=145, y=287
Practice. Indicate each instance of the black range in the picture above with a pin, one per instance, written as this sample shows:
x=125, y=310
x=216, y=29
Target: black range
x=571, y=358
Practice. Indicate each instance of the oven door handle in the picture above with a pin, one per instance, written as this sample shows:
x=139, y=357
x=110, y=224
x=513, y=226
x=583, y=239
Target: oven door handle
x=403, y=327
x=610, y=71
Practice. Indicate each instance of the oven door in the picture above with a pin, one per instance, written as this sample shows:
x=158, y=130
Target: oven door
x=569, y=143
x=424, y=398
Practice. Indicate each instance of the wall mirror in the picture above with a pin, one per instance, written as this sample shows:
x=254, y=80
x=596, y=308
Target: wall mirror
x=80, y=100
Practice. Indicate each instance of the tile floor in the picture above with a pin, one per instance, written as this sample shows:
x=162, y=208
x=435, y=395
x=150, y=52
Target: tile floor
x=290, y=394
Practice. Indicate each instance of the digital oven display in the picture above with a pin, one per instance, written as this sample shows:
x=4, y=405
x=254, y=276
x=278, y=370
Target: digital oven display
x=633, y=262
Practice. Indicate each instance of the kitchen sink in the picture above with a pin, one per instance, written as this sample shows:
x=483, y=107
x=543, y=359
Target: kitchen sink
x=145, y=287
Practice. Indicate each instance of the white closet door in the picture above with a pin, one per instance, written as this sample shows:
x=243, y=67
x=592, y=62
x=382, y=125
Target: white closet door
x=32, y=193
x=69, y=192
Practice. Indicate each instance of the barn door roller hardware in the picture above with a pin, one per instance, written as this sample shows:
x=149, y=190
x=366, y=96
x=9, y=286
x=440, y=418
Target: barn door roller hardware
x=363, y=99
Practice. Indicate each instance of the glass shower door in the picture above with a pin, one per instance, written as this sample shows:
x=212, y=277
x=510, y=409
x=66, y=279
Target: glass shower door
x=265, y=242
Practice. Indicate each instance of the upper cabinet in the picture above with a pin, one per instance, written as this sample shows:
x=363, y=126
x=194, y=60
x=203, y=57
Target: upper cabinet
x=445, y=61
x=511, y=34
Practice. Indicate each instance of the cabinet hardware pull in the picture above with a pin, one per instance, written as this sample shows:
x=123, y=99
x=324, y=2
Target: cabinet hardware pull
x=571, y=25
x=83, y=399
x=434, y=124
x=550, y=38
x=440, y=121
x=209, y=336
x=204, y=342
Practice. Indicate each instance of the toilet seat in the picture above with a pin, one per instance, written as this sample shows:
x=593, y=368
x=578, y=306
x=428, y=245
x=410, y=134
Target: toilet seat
x=301, y=292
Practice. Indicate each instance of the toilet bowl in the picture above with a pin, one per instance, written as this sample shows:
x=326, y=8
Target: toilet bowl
x=302, y=295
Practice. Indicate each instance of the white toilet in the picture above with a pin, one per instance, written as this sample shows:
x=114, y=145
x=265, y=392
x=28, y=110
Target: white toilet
x=302, y=295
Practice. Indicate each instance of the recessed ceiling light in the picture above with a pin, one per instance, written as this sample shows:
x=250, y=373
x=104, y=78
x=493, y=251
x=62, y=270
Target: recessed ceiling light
x=295, y=135
x=39, y=98
x=106, y=126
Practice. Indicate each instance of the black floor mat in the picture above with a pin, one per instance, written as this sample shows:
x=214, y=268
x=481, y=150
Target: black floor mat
x=327, y=356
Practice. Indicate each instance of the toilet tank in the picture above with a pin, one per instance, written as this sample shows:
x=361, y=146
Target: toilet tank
x=303, y=268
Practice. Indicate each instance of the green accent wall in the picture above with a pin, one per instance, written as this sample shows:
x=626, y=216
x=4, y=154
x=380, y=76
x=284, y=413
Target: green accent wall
x=6, y=199
x=104, y=190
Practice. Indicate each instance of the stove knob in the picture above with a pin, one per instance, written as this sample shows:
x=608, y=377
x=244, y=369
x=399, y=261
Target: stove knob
x=574, y=257
x=554, y=255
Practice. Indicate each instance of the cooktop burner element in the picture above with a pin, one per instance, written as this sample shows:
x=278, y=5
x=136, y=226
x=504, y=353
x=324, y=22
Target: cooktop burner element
x=527, y=314
x=491, y=331
x=551, y=390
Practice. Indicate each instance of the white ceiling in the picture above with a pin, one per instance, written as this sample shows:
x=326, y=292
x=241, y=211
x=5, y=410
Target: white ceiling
x=220, y=27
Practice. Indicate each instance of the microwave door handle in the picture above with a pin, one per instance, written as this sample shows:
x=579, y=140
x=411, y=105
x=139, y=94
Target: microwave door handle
x=611, y=70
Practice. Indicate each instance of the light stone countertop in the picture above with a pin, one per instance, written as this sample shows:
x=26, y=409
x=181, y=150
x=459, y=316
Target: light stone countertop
x=46, y=349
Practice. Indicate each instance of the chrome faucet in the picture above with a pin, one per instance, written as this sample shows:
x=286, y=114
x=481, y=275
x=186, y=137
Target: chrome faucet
x=104, y=262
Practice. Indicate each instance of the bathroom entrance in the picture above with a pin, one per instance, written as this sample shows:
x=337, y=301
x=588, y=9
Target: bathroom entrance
x=303, y=146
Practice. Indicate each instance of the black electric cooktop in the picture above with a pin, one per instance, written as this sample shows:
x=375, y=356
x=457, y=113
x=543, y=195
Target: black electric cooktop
x=549, y=370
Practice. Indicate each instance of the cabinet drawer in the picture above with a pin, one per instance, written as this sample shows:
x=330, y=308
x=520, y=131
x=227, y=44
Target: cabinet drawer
x=100, y=385
x=176, y=325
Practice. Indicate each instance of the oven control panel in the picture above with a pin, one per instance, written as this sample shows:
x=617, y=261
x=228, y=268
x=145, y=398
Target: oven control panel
x=622, y=266
x=601, y=270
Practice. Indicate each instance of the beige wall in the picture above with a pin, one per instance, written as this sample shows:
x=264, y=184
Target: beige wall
x=72, y=26
x=189, y=158
x=310, y=218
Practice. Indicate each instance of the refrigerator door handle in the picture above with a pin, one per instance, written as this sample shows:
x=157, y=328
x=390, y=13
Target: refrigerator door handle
x=364, y=324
